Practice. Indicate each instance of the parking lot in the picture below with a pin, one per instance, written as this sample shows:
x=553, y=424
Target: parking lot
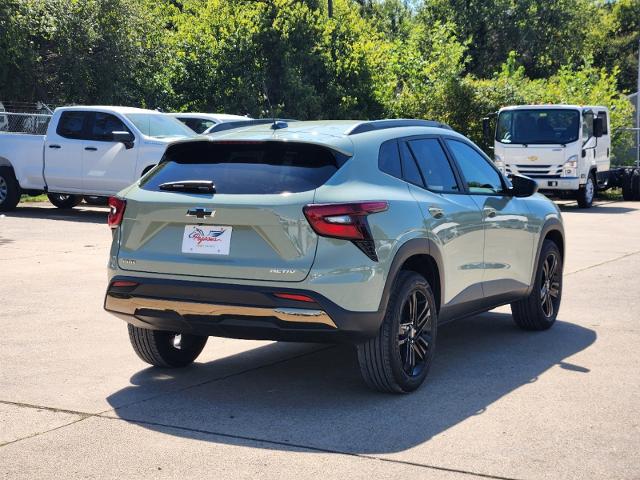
x=76, y=402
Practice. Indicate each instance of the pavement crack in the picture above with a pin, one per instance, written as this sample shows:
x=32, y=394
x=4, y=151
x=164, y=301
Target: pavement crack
x=37, y=434
x=309, y=447
x=50, y=409
x=602, y=263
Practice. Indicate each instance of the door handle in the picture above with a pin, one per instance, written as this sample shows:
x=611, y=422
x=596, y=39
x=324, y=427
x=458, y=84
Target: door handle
x=489, y=212
x=436, y=212
x=55, y=146
x=91, y=149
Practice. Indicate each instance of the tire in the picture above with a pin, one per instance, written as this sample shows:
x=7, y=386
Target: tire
x=98, y=201
x=539, y=310
x=159, y=349
x=63, y=200
x=385, y=359
x=627, y=191
x=9, y=190
x=635, y=185
x=587, y=192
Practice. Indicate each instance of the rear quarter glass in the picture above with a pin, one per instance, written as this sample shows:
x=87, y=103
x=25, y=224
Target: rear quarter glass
x=249, y=167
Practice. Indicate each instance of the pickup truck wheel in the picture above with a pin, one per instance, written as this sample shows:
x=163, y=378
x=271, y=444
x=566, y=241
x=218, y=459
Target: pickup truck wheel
x=539, y=310
x=398, y=358
x=9, y=190
x=165, y=349
x=587, y=192
x=63, y=200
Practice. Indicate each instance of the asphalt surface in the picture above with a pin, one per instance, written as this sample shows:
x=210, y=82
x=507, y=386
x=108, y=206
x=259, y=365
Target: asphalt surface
x=76, y=402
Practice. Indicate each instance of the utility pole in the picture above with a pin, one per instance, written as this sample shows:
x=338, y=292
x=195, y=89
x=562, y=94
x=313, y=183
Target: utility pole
x=637, y=111
x=330, y=10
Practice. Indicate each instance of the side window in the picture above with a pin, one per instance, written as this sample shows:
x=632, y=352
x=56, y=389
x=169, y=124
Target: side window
x=479, y=175
x=389, y=159
x=104, y=124
x=199, y=125
x=71, y=124
x=603, y=116
x=587, y=126
x=410, y=171
x=433, y=163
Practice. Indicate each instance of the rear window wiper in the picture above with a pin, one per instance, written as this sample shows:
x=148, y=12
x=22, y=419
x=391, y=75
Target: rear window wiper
x=192, y=186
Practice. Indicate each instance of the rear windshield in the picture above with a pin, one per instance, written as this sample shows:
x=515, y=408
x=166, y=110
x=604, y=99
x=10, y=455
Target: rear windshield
x=248, y=168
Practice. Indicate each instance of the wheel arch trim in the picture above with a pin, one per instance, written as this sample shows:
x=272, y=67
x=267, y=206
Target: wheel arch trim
x=552, y=224
x=413, y=248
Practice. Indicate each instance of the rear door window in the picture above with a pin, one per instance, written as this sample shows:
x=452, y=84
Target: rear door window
x=410, y=170
x=434, y=165
x=249, y=167
x=198, y=125
x=72, y=124
x=103, y=126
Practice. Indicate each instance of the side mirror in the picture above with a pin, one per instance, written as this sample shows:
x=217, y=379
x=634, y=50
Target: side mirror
x=598, y=127
x=523, y=186
x=124, y=137
x=486, y=129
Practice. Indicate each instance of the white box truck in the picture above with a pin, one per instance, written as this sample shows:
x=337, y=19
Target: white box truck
x=565, y=148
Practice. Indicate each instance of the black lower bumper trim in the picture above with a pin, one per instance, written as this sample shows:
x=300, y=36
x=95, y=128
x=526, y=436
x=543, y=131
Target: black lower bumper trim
x=236, y=311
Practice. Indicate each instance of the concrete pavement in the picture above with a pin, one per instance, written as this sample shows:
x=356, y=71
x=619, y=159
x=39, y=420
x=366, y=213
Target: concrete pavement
x=499, y=403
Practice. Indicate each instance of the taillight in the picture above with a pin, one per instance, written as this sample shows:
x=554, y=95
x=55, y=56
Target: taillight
x=116, y=211
x=347, y=221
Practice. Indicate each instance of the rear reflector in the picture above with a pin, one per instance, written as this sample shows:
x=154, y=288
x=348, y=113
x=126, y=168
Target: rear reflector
x=294, y=296
x=124, y=283
x=116, y=211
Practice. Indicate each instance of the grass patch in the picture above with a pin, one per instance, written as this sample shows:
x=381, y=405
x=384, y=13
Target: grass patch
x=611, y=194
x=37, y=198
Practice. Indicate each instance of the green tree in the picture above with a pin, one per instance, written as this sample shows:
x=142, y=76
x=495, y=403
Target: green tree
x=546, y=34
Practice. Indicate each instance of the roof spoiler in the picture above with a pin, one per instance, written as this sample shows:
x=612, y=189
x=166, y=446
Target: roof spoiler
x=394, y=123
x=221, y=127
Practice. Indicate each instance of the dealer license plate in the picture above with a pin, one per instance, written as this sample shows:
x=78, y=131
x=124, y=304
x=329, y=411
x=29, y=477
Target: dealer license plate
x=206, y=239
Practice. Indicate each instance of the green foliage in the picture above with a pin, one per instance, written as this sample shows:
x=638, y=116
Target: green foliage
x=546, y=34
x=615, y=43
x=449, y=60
x=81, y=51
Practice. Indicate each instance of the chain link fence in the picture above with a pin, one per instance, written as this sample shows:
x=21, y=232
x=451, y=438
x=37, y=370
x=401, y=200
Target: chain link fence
x=22, y=117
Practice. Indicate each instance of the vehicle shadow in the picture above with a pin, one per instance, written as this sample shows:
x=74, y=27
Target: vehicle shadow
x=608, y=208
x=318, y=400
x=81, y=213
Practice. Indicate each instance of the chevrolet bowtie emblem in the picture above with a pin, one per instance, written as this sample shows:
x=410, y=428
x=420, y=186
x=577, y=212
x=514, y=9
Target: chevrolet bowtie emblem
x=532, y=158
x=200, y=212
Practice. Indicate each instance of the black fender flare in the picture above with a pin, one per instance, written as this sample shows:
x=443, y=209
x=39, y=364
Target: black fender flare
x=415, y=246
x=551, y=224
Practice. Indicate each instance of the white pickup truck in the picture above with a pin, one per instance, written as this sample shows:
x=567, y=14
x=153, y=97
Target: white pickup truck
x=93, y=151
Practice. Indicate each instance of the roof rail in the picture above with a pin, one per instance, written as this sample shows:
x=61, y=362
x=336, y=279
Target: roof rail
x=394, y=123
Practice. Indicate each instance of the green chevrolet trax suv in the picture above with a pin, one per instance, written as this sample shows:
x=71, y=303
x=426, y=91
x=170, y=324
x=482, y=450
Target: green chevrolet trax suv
x=367, y=232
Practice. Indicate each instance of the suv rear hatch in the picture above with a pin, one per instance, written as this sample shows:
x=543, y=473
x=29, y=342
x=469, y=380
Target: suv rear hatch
x=247, y=222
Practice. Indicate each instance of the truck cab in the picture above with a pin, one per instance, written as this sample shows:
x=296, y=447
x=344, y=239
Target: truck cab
x=565, y=148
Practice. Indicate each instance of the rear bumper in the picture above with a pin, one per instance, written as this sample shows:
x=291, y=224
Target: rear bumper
x=236, y=311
